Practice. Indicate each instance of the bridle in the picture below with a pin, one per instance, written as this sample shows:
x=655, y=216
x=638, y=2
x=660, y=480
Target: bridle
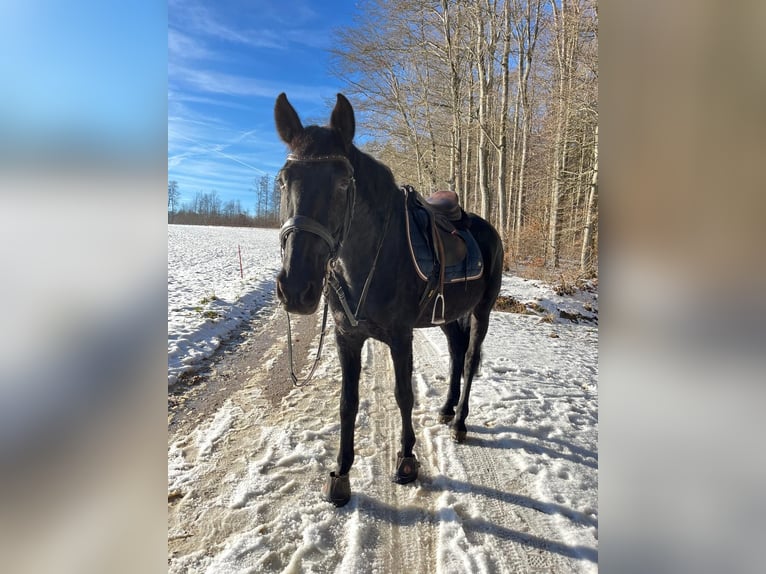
x=304, y=223
x=332, y=277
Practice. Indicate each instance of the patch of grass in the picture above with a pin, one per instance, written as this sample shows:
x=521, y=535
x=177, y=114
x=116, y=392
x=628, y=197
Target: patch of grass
x=537, y=308
x=548, y=318
x=564, y=287
x=210, y=315
x=508, y=304
x=208, y=299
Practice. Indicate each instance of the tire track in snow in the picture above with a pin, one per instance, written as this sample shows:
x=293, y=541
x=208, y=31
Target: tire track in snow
x=253, y=471
x=403, y=513
x=470, y=524
x=507, y=526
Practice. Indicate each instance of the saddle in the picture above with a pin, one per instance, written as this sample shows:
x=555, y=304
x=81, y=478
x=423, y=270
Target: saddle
x=448, y=245
x=445, y=217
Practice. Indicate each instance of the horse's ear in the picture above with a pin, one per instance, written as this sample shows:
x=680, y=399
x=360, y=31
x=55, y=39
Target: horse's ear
x=287, y=120
x=342, y=119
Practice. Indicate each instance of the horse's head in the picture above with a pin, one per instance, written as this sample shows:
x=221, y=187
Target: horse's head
x=317, y=184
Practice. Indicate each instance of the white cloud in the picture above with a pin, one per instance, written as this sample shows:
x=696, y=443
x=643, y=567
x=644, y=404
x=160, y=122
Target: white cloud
x=183, y=47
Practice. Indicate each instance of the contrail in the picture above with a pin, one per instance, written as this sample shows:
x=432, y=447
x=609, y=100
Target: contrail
x=232, y=158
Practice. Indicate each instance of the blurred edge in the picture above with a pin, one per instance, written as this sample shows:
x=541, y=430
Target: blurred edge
x=682, y=92
x=83, y=258
x=682, y=276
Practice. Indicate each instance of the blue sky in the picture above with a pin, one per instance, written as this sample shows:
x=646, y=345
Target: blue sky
x=227, y=63
x=87, y=76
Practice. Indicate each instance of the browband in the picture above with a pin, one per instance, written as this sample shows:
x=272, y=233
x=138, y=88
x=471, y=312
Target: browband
x=335, y=157
x=293, y=157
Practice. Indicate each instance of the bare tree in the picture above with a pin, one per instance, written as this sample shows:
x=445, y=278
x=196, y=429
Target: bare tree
x=586, y=254
x=484, y=56
x=276, y=198
x=502, y=147
x=174, y=195
x=526, y=33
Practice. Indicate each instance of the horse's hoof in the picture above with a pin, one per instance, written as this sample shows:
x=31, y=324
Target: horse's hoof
x=337, y=489
x=406, y=469
x=459, y=435
x=446, y=419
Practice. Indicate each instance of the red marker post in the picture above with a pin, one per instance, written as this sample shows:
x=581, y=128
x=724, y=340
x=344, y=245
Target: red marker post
x=241, y=273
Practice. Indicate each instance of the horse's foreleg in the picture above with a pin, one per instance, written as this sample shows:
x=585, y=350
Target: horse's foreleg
x=401, y=353
x=337, y=489
x=478, y=331
x=457, y=342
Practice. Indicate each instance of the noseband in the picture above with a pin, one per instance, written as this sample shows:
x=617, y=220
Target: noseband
x=309, y=225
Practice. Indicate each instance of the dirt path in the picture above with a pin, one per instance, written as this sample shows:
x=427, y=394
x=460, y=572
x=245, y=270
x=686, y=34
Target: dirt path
x=247, y=458
x=254, y=353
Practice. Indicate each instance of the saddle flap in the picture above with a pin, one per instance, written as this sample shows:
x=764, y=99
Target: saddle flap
x=455, y=250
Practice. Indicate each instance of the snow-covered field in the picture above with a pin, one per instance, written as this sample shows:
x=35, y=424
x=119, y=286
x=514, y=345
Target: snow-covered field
x=519, y=496
x=207, y=296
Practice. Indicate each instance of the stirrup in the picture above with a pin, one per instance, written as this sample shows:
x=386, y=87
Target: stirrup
x=434, y=319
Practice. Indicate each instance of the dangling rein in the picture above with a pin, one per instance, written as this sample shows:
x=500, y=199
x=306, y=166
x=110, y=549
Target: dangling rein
x=301, y=223
x=293, y=377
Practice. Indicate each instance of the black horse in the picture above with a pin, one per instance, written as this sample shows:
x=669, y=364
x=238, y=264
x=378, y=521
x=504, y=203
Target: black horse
x=346, y=226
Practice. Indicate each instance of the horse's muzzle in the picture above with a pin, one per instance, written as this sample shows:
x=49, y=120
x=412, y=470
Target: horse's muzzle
x=301, y=297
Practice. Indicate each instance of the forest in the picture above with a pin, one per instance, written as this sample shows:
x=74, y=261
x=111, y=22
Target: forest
x=496, y=100
x=207, y=208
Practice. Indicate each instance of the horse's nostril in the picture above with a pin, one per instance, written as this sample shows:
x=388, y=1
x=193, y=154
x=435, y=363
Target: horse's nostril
x=281, y=295
x=297, y=296
x=307, y=295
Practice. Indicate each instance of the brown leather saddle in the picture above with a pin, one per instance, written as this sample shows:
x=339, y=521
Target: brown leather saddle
x=447, y=214
x=443, y=219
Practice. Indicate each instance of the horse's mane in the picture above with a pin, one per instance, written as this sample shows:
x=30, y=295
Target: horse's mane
x=370, y=171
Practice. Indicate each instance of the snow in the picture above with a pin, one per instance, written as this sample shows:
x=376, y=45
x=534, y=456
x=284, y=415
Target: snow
x=542, y=299
x=519, y=496
x=207, y=297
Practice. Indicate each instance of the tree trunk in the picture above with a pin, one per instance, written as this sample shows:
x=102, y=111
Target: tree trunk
x=469, y=182
x=413, y=133
x=574, y=219
x=481, y=147
x=586, y=254
x=566, y=39
x=455, y=168
x=527, y=32
x=502, y=151
x=511, y=211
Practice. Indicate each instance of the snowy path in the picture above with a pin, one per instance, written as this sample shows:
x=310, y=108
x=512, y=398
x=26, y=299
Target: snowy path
x=519, y=496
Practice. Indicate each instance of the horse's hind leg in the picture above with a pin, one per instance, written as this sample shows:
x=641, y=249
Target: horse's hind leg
x=401, y=353
x=457, y=334
x=478, y=330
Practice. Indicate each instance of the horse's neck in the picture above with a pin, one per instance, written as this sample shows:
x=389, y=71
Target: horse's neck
x=374, y=218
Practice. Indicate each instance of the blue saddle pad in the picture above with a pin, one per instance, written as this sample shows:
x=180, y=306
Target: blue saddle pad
x=423, y=256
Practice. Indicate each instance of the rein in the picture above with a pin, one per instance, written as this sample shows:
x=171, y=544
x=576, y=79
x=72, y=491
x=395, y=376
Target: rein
x=332, y=277
x=296, y=381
